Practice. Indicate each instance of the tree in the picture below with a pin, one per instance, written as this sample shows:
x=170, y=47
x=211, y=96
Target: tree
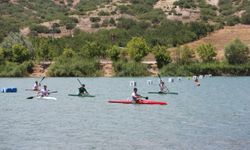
x=14, y=39
x=20, y=53
x=137, y=48
x=236, y=52
x=114, y=52
x=68, y=52
x=162, y=56
x=93, y=49
x=245, y=19
x=206, y=52
x=186, y=55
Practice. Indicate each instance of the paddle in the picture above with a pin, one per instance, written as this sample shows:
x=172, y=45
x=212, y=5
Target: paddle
x=144, y=97
x=159, y=76
x=42, y=80
x=31, y=97
x=79, y=81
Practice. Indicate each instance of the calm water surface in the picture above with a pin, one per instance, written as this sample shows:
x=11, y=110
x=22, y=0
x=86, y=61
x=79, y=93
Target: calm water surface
x=214, y=116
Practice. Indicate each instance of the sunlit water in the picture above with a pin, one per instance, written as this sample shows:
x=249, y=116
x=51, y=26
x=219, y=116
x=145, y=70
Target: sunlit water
x=214, y=116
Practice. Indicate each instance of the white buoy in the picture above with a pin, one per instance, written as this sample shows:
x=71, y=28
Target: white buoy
x=210, y=75
x=195, y=77
x=132, y=83
x=149, y=82
x=170, y=80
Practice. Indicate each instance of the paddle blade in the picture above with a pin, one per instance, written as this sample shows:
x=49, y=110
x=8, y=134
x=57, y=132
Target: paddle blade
x=79, y=81
x=159, y=76
x=42, y=80
x=31, y=97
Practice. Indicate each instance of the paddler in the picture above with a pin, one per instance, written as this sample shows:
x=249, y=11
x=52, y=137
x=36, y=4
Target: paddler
x=135, y=97
x=163, y=87
x=82, y=90
x=36, y=86
x=197, y=81
x=44, y=91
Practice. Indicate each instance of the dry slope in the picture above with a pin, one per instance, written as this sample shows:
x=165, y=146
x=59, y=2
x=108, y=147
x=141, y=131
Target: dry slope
x=223, y=37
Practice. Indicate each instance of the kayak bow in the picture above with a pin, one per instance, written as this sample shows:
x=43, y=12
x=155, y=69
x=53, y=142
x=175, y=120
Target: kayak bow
x=45, y=98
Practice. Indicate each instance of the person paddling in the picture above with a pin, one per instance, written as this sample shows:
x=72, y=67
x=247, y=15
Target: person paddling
x=82, y=90
x=163, y=87
x=135, y=96
x=36, y=86
x=197, y=82
x=44, y=91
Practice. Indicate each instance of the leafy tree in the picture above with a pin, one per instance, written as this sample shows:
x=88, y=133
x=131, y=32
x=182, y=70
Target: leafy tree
x=20, y=53
x=114, y=53
x=137, y=48
x=93, y=49
x=236, y=52
x=186, y=55
x=162, y=56
x=206, y=52
x=68, y=52
x=245, y=19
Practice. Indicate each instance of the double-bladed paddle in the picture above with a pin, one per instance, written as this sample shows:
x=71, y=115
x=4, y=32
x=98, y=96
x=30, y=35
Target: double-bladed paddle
x=79, y=82
x=42, y=80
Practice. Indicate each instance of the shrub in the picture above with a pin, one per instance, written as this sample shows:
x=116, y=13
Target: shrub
x=236, y=52
x=206, y=52
x=137, y=48
x=162, y=56
x=123, y=68
x=95, y=19
x=40, y=29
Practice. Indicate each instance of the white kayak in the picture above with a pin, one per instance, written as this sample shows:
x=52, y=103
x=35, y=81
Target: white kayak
x=45, y=98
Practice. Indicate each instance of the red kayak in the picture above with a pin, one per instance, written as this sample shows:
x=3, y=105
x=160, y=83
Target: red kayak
x=149, y=102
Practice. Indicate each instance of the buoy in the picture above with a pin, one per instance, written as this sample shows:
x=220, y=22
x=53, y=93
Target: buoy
x=195, y=77
x=9, y=90
x=132, y=83
x=170, y=80
x=149, y=82
x=179, y=78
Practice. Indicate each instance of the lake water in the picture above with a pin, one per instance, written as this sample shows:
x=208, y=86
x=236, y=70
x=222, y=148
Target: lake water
x=214, y=116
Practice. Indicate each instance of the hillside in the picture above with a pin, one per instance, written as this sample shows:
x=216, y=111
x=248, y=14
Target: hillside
x=222, y=37
x=70, y=33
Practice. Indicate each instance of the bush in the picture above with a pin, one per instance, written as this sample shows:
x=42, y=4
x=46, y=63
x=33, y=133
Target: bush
x=95, y=19
x=206, y=52
x=74, y=67
x=245, y=19
x=40, y=29
x=123, y=68
x=103, y=13
x=10, y=69
x=236, y=52
x=162, y=56
x=137, y=48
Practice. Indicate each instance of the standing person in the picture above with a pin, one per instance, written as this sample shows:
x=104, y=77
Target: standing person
x=44, y=91
x=36, y=86
x=163, y=87
x=135, y=96
x=82, y=90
